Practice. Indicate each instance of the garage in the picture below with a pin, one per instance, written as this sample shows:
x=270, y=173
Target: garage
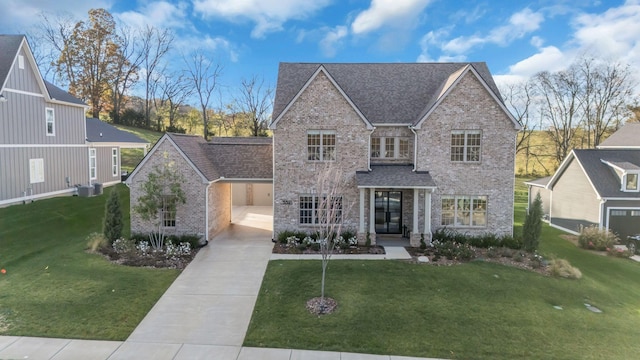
x=624, y=222
x=252, y=205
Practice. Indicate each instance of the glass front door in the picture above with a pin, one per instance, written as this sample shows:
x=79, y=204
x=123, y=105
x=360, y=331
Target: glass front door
x=388, y=212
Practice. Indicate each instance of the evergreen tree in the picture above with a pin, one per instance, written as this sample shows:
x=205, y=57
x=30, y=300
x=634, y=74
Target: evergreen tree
x=533, y=225
x=112, y=227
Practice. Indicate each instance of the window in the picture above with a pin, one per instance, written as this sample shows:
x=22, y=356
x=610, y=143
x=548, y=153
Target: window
x=20, y=62
x=321, y=145
x=51, y=121
x=631, y=182
x=468, y=211
x=169, y=211
x=319, y=209
x=465, y=145
x=36, y=171
x=389, y=147
x=92, y=164
x=114, y=161
x=618, y=212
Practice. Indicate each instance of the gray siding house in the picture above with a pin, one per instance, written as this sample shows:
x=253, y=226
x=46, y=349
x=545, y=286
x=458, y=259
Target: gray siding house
x=596, y=187
x=43, y=133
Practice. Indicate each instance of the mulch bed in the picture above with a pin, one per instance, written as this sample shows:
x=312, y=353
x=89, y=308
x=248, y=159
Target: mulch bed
x=154, y=260
x=279, y=248
x=514, y=260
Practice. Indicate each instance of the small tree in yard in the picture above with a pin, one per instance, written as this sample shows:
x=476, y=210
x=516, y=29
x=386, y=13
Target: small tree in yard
x=112, y=227
x=533, y=225
x=161, y=194
x=330, y=207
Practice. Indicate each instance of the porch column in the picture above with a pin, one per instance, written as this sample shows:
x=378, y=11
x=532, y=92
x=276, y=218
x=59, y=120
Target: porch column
x=372, y=211
x=427, y=214
x=416, y=228
x=361, y=228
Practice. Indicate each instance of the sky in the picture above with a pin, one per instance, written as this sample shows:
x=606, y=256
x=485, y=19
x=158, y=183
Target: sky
x=250, y=37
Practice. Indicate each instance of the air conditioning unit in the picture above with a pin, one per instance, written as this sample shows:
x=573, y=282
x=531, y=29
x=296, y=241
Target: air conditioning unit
x=85, y=191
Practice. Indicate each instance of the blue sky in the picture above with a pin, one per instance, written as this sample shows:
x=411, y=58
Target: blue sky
x=515, y=38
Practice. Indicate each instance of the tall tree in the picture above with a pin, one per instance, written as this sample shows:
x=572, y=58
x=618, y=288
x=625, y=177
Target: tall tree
x=203, y=76
x=156, y=43
x=127, y=66
x=532, y=226
x=255, y=100
x=175, y=90
x=88, y=58
x=54, y=34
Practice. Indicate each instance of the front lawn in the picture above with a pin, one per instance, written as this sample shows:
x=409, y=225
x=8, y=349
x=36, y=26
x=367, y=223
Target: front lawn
x=53, y=288
x=476, y=310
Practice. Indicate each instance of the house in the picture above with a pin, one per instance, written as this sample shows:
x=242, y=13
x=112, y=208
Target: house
x=44, y=149
x=421, y=146
x=596, y=187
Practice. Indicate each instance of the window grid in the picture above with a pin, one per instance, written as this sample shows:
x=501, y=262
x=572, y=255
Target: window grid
x=50, y=121
x=92, y=164
x=404, y=149
x=467, y=211
x=631, y=182
x=375, y=147
x=114, y=162
x=315, y=209
x=169, y=211
x=466, y=145
x=389, y=148
x=321, y=146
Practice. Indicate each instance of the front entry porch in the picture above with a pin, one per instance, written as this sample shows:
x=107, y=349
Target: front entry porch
x=394, y=201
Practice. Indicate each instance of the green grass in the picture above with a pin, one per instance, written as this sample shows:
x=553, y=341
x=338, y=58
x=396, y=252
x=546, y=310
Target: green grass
x=53, y=288
x=472, y=311
x=131, y=157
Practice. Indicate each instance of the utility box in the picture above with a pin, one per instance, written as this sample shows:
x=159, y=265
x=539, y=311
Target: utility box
x=97, y=189
x=85, y=191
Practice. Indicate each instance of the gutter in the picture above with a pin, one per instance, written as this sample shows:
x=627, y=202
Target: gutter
x=415, y=148
x=369, y=152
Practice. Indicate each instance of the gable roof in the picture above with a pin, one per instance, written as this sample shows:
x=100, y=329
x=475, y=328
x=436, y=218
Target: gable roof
x=541, y=182
x=99, y=131
x=385, y=93
x=627, y=137
x=596, y=166
x=394, y=176
x=11, y=45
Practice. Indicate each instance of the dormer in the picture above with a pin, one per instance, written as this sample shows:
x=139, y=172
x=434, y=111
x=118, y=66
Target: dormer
x=626, y=172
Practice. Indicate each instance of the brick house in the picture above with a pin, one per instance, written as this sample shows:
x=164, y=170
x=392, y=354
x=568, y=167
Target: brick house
x=421, y=146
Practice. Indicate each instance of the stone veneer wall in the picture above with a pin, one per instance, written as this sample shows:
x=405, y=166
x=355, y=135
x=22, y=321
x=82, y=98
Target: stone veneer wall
x=319, y=107
x=190, y=217
x=219, y=208
x=470, y=107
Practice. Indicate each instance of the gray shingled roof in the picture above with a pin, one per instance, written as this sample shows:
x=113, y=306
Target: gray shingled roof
x=100, y=131
x=394, y=175
x=604, y=179
x=387, y=93
x=58, y=94
x=228, y=158
x=542, y=182
x=626, y=136
x=9, y=45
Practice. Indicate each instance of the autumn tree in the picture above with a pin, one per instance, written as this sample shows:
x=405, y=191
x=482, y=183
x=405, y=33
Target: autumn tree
x=155, y=45
x=175, y=89
x=254, y=100
x=127, y=66
x=88, y=57
x=203, y=74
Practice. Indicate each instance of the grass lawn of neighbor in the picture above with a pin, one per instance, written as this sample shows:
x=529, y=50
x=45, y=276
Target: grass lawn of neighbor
x=476, y=310
x=53, y=288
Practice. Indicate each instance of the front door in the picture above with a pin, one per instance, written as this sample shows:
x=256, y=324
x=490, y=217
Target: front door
x=388, y=212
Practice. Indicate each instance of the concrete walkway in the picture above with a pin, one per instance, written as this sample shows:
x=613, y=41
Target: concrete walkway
x=204, y=314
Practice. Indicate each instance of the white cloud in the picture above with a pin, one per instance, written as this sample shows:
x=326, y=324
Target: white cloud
x=159, y=14
x=216, y=45
x=268, y=15
x=332, y=40
x=18, y=15
x=520, y=24
x=388, y=12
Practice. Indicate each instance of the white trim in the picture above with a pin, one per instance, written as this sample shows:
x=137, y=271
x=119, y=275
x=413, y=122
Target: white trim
x=116, y=157
x=415, y=149
x=563, y=166
x=427, y=213
x=390, y=125
x=618, y=208
x=361, y=223
x=465, y=70
x=624, y=147
x=21, y=92
x=95, y=165
x=397, y=187
x=109, y=183
x=44, y=145
x=306, y=85
x=372, y=211
x=601, y=221
x=563, y=229
x=416, y=205
x=38, y=196
x=206, y=211
x=122, y=145
x=20, y=62
x=223, y=179
x=53, y=121
x=622, y=198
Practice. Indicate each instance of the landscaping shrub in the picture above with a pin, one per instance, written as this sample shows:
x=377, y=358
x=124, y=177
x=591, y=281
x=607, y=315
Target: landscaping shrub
x=619, y=252
x=480, y=241
x=282, y=237
x=511, y=242
x=453, y=250
x=96, y=241
x=348, y=234
x=193, y=240
x=113, y=223
x=138, y=237
x=533, y=226
x=593, y=238
x=562, y=268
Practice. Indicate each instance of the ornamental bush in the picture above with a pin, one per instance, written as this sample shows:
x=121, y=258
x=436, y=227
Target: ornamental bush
x=562, y=268
x=593, y=238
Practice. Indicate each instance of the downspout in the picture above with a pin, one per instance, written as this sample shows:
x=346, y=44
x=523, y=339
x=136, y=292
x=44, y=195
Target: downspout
x=602, y=214
x=373, y=128
x=415, y=148
x=206, y=216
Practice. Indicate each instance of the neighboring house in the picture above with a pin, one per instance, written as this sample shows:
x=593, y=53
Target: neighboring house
x=209, y=169
x=43, y=133
x=421, y=146
x=596, y=187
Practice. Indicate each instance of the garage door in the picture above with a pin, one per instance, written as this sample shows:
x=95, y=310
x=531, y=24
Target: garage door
x=624, y=222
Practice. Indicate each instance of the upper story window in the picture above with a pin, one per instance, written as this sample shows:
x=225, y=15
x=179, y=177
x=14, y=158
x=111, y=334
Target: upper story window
x=389, y=147
x=321, y=145
x=465, y=145
x=50, y=121
x=20, y=62
x=630, y=182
